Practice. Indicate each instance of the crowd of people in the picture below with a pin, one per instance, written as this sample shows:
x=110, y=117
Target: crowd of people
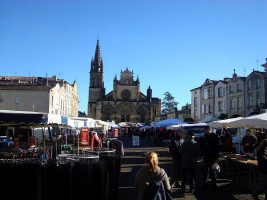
x=187, y=151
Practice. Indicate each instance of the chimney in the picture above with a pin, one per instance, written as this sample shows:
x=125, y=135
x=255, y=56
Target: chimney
x=54, y=78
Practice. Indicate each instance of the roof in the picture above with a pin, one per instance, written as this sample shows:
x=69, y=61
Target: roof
x=25, y=87
x=22, y=80
x=195, y=89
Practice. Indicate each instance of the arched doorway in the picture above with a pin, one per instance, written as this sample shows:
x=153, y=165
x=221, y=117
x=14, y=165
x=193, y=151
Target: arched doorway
x=108, y=113
x=126, y=112
x=143, y=113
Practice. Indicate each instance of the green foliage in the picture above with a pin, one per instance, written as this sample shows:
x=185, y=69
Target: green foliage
x=168, y=103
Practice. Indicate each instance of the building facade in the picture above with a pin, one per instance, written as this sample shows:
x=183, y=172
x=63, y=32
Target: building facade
x=220, y=99
x=236, y=96
x=195, y=103
x=207, y=98
x=39, y=94
x=255, y=93
x=233, y=97
x=126, y=103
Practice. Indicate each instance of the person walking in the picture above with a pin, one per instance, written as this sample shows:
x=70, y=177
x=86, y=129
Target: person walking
x=175, y=145
x=189, y=151
x=210, y=149
x=262, y=166
x=148, y=173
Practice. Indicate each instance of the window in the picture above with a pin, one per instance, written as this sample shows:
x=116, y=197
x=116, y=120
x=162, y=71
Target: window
x=220, y=106
x=17, y=100
x=220, y=92
x=258, y=97
x=249, y=85
x=207, y=108
x=52, y=100
x=206, y=93
x=195, y=113
x=239, y=102
x=209, y=111
x=195, y=100
x=250, y=100
x=231, y=89
x=209, y=93
x=239, y=87
x=203, y=109
x=232, y=104
x=258, y=83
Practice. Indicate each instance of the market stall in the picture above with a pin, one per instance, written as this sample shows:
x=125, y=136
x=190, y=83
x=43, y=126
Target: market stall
x=36, y=169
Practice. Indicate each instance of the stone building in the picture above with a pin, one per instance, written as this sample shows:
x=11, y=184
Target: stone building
x=126, y=103
x=39, y=94
x=207, y=98
x=265, y=80
x=233, y=97
x=221, y=99
x=255, y=93
x=195, y=103
x=236, y=96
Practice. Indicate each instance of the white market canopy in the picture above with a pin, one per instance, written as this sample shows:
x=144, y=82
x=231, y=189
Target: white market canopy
x=167, y=122
x=176, y=127
x=223, y=123
x=209, y=118
x=254, y=121
x=113, y=125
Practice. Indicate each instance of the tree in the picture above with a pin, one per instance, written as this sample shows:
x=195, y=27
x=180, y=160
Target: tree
x=168, y=103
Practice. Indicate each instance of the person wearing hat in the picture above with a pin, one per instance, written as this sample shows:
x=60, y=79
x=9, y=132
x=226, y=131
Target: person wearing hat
x=189, y=151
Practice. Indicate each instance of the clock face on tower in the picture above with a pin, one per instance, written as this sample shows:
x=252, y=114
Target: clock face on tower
x=126, y=94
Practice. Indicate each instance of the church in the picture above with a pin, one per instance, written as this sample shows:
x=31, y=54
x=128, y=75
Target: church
x=126, y=103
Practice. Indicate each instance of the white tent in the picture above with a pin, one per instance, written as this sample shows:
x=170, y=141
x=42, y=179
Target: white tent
x=167, y=122
x=223, y=123
x=176, y=127
x=113, y=125
x=209, y=118
x=255, y=121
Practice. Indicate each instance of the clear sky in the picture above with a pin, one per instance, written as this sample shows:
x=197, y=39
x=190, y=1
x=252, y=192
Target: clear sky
x=173, y=45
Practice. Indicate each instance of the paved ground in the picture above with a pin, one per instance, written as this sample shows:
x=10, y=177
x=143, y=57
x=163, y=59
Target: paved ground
x=134, y=158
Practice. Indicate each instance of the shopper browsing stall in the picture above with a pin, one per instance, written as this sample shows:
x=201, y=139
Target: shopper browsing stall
x=248, y=142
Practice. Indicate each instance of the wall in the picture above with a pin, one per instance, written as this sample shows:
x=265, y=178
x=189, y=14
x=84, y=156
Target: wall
x=27, y=100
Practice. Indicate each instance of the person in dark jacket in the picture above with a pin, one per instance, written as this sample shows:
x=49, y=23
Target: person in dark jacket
x=262, y=166
x=226, y=141
x=260, y=137
x=189, y=152
x=175, y=145
x=210, y=149
x=248, y=142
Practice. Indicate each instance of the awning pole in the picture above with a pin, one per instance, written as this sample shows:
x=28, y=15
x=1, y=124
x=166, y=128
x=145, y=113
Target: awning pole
x=44, y=141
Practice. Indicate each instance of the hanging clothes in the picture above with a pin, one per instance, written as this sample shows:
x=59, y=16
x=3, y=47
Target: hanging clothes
x=96, y=141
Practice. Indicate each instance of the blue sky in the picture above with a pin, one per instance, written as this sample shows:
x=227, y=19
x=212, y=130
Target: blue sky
x=173, y=45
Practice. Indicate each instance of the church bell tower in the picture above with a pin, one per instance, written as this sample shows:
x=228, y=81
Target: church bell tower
x=96, y=86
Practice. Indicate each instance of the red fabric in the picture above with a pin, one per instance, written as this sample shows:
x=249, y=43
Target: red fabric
x=95, y=141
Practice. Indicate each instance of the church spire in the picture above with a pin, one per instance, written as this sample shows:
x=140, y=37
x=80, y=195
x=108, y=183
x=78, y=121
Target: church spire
x=97, y=59
x=97, y=62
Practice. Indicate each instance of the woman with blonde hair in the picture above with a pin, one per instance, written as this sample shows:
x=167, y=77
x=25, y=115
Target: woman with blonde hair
x=148, y=173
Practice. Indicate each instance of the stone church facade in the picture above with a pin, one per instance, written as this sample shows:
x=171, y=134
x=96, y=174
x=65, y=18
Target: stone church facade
x=126, y=103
